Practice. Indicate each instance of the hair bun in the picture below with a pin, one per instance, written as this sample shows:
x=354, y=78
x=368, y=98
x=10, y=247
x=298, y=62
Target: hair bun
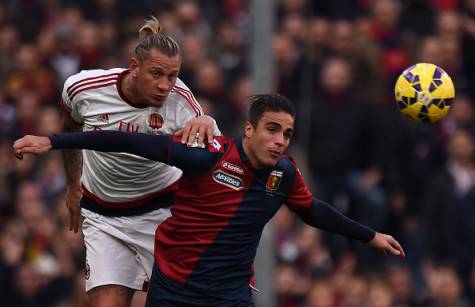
x=151, y=26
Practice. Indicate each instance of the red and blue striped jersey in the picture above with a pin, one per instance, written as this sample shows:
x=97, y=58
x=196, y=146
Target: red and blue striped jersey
x=220, y=208
x=210, y=242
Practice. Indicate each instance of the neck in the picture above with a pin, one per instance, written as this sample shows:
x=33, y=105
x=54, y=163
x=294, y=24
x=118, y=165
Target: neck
x=129, y=90
x=250, y=155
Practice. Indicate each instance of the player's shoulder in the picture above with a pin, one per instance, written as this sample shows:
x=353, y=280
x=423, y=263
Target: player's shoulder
x=180, y=85
x=182, y=97
x=93, y=75
x=291, y=175
x=288, y=164
x=219, y=144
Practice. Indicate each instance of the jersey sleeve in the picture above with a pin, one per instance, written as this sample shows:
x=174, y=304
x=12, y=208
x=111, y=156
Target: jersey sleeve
x=162, y=148
x=70, y=106
x=195, y=161
x=188, y=106
x=300, y=197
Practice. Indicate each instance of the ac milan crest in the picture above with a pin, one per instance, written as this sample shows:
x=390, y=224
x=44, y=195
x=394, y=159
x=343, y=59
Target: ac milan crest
x=155, y=120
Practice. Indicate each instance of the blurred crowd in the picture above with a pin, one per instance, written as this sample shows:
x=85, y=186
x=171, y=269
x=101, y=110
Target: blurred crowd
x=338, y=61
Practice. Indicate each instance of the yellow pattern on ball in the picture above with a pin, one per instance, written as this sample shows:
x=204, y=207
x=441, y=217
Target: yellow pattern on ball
x=424, y=93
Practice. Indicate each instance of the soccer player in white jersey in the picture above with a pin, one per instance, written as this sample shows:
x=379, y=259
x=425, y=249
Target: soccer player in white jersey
x=122, y=197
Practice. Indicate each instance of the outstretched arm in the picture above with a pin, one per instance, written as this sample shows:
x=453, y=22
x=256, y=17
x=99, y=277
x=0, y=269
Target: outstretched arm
x=153, y=147
x=323, y=216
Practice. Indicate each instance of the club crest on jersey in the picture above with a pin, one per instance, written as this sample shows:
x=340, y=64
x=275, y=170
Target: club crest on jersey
x=228, y=180
x=274, y=180
x=232, y=167
x=155, y=120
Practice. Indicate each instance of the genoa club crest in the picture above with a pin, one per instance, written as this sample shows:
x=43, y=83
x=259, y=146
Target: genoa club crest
x=155, y=120
x=274, y=180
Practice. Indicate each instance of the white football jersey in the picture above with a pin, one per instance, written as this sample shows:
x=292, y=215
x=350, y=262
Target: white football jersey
x=94, y=99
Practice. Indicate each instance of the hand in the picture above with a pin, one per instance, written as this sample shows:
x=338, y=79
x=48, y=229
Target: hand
x=31, y=144
x=387, y=244
x=73, y=197
x=196, y=130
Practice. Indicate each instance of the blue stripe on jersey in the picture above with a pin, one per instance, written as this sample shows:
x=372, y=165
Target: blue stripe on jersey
x=164, y=292
x=225, y=269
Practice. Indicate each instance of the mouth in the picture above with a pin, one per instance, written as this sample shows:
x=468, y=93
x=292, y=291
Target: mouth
x=275, y=153
x=159, y=97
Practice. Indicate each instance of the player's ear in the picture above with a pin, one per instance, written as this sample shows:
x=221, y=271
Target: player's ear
x=248, y=128
x=134, y=64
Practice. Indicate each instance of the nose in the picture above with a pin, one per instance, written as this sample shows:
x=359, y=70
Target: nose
x=279, y=139
x=164, y=84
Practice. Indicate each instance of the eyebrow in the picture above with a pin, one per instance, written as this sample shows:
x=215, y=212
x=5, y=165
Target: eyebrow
x=163, y=70
x=277, y=124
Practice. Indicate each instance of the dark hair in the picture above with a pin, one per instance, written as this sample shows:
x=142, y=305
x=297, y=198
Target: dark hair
x=152, y=36
x=268, y=103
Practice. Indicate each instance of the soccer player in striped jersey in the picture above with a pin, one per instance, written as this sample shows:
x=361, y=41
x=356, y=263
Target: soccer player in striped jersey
x=123, y=197
x=229, y=191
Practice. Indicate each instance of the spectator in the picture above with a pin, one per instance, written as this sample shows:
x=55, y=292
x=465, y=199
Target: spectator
x=448, y=206
x=401, y=177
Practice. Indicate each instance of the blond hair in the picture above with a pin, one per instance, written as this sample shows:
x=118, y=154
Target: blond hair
x=151, y=36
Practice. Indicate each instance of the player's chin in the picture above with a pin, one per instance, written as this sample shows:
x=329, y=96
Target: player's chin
x=158, y=101
x=272, y=160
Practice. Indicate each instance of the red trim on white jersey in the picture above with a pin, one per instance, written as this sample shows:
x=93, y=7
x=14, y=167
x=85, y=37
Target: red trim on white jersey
x=189, y=98
x=131, y=203
x=122, y=95
x=72, y=89
x=91, y=87
x=91, y=78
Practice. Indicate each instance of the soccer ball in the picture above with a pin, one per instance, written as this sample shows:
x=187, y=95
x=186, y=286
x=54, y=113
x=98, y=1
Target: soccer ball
x=424, y=93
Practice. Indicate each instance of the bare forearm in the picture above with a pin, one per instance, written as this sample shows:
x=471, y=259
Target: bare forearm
x=72, y=158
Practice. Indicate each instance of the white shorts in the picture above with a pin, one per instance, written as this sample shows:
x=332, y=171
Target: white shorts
x=119, y=250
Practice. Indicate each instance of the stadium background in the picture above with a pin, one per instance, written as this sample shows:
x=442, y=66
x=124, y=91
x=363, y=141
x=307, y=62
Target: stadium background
x=337, y=60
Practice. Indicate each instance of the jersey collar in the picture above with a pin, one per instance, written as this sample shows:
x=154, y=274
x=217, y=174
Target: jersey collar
x=240, y=148
x=245, y=159
x=242, y=155
x=121, y=93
